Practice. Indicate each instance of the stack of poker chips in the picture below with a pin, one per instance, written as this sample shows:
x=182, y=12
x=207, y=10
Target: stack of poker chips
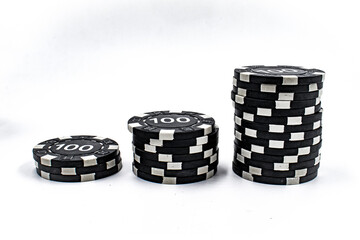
x=174, y=147
x=277, y=123
x=77, y=158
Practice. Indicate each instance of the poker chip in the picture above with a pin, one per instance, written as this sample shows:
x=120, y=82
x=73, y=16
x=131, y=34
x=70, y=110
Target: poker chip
x=177, y=165
x=271, y=112
x=211, y=138
x=174, y=147
x=277, y=104
x=175, y=157
x=175, y=173
x=77, y=158
x=278, y=144
x=167, y=125
x=277, y=128
x=273, y=173
x=173, y=180
x=279, y=75
x=287, y=136
x=275, y=159
x=274, y=180
x=279, y=166
x=293, y=120
x=275, y=151
x=278, y=123
x=172, y=150
x=284, y=96
x=273, y=88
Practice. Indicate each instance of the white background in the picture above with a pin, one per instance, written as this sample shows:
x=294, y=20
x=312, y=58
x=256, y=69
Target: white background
x=86, y=67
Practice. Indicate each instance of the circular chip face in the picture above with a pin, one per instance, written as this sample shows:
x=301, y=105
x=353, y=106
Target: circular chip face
x=75, y=151
x=277, y=70
x=281, y=75
x=75, y=147
x=167, y=125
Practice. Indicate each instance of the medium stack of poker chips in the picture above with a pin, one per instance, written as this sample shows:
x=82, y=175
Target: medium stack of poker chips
x=278, y=124
x=77, y=158
x=174, y=147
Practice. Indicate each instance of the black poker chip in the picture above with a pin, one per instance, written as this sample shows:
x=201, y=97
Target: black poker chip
x=283, y=96
x=274, y=180
x=273, y=104
x=167, y=125
x=245, y=153
x=276, y=128
x=176, y=173
x=278, y=144
x=273, y=173
x=211, y=138
x=292, y=120
x=173, y=180
x=75, y=151
x=174, y=147
x=279, y=166
x=279, y=75
x=175, y=150
x=273, y=88
x=286, y=136
x=175, y=157
x=278, y=123
x=277, y=152
x=272, y=112
x=177, y=165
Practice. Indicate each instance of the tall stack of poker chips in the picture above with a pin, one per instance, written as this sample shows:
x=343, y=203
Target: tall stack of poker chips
x=77, y=158
x=278, y=125
x=174, y=147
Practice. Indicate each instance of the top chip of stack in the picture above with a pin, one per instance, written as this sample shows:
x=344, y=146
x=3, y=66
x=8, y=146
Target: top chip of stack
x=277, y=123
x=174, y=147
x=77, y=158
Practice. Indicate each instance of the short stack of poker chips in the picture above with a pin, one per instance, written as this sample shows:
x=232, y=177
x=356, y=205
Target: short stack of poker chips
x=174, y=147
x=77, y=158
x=278, y=123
